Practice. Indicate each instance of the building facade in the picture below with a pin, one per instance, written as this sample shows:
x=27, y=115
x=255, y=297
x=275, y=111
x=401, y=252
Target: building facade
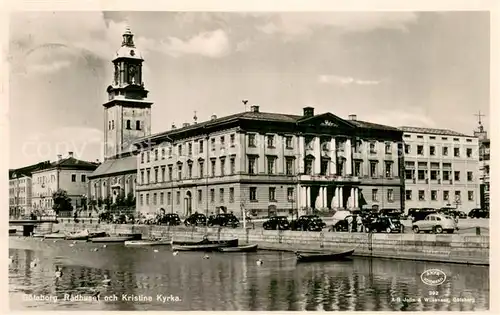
x=441, y=169
x=484, y=166
x=127, y=117
x=20, y=189
x=69, y=174
x=256, y=160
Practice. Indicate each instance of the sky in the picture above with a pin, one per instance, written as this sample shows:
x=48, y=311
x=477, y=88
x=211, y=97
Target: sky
x=423, y=69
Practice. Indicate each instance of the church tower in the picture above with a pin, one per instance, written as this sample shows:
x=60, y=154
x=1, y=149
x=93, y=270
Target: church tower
x=127, y=114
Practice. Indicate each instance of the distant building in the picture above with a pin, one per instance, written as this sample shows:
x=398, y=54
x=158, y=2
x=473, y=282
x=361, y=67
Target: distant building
x=127, y=117
x=69, y=174
x=441, y=169
x=20, y=189
x=484, y=165
x=259, y=160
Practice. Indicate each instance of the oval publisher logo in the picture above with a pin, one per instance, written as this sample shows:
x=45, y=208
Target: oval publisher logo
x=433, y=277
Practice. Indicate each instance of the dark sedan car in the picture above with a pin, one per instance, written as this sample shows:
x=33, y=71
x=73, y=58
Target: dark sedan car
x=478, y=213
x=384, y=224
x=196, y=219
x=224, y=219
x=276, y=223
x=170, y=219
x=308, y=223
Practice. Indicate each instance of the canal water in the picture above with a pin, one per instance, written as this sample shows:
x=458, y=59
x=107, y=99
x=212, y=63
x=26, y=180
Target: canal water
x=145, y=279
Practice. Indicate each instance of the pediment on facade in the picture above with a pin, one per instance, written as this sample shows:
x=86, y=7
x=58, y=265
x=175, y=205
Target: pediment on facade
x=326, y=120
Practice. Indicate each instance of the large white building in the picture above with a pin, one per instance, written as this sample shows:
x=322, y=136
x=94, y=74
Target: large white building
x=69, y=174
x=441, y=169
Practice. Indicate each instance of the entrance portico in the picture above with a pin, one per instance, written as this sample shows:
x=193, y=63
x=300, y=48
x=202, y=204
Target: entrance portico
x=343, y=196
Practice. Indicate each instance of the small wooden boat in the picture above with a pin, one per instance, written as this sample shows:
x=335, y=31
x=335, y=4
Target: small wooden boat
x=135, y=236
x=245, y=248
x=200, y=247
x=55, y=236
x=322, y=256
x=148, y=242
x=222, y=243
x=111, y=239
x=97, y=234
x=83, y=235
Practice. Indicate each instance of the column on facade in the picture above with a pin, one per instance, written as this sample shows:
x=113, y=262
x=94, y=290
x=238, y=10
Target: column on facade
x=308, y=197
x=302, y=197
x=333, y=156
x=335, y=199
x=341, y=197
x=351, y=198
x=348, y=157
x=356, y=197
x=317, y=155
x=323, y=197
x=301, y=154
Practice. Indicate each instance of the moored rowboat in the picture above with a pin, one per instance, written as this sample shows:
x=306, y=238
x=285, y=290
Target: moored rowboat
x=245, y=248
x=111, y=239
x=148, y=242
x=221, y=243
x=55, y=236
x=201, y=247
x=322, y=256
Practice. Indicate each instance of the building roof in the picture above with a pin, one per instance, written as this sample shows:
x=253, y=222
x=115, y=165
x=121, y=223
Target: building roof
x=70, y=163
x=263, y=117
x=433, y=131
x=116, y=166
x=27, y=170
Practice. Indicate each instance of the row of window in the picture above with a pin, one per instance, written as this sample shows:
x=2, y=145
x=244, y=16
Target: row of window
x=432, y=151
x=252, y=168
x=434, y=195
x=15, y=200
x=144, y=198
x=83, y=178
x=389, y=195
x=17, y=190
x=340, y=146
x=435, y=175
x=13, y=182
x=434, y=138
x=128, y=124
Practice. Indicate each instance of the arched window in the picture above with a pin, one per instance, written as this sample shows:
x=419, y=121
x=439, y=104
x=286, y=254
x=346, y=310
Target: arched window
x=128, y=124
x=138, y=125
x=109, y=125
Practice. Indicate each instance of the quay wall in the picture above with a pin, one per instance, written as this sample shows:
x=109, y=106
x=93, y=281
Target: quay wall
x=450, y=248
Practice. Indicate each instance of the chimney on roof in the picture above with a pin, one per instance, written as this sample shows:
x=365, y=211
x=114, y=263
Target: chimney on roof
x=308, y=111
x=173, y=126
x=353, y=117
x=213, y=117
x=59, y=157
x=70, y=154
x=185, y=125
x=254, y=108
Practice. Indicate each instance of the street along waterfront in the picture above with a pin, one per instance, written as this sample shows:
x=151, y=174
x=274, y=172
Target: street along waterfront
x=138, y=275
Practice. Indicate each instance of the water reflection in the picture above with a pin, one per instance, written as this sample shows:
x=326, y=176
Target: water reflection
x=232, y=281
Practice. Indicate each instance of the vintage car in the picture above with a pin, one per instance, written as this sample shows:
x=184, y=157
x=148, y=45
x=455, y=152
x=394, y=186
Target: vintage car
x=436, y=223
x=196, y=219
x=276, y=223
x=223, y=219
x=479, y=213
x=308, y=223
x=417, y=214
x=169, y=219
x=384, y=224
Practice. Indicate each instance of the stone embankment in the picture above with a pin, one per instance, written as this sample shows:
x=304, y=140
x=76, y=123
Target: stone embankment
x=450, y=248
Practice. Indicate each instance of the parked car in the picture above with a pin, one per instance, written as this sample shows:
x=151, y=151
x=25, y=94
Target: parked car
x=276, y=223
x=196, y=219
x=436, y=223
x=417, y=214
x=308, y=223
x=384, y=224
x=169, y=219
x=479, y=213
x=224, y=219
x=390, y=212
x=462, y=215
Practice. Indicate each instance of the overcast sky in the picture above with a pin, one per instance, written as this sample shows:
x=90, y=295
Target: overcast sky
x=418, y=69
